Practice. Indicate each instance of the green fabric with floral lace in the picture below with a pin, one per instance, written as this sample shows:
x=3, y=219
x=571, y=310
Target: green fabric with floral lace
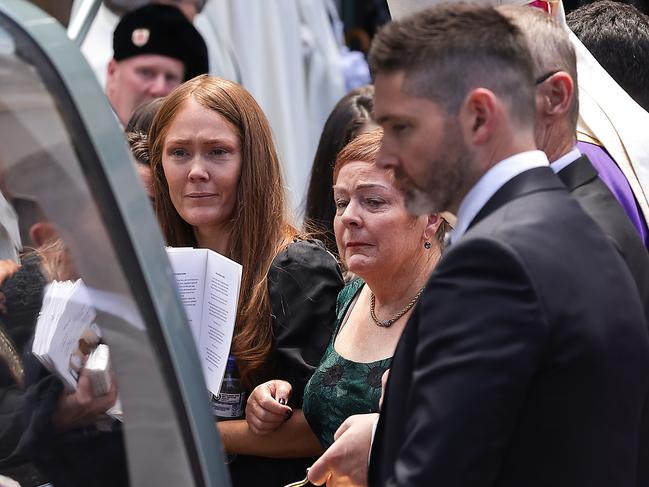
x=340, y=388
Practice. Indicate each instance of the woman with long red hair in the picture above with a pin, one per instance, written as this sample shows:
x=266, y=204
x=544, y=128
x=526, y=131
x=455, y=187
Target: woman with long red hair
x=217, y=184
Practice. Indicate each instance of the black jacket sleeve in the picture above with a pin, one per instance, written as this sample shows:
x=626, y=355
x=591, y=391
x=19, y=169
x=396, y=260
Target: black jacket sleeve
x=12, y=399
x=303, y=284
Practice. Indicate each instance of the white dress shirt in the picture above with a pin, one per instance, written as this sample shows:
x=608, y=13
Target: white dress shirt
x=565, y=160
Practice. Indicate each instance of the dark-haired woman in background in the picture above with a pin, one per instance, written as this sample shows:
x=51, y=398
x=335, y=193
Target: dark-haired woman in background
x=217, y=184
x=350, y=117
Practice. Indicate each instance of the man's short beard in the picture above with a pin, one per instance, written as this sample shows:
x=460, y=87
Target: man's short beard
x=442, y=187
x=419, y=202
x=416, y=198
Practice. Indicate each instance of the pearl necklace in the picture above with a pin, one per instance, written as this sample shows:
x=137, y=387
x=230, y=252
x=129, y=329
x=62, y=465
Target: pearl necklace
x=391, y=321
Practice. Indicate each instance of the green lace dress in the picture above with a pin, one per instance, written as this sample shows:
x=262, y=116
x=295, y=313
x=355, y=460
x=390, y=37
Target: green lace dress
x=340, y=388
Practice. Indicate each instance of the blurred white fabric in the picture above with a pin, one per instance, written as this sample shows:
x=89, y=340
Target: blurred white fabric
x=98, y=44
x=289, y=61
x=7, y=482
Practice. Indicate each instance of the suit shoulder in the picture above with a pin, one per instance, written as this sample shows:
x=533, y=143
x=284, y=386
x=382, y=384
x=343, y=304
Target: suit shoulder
x=600, y=204
x=484, y=255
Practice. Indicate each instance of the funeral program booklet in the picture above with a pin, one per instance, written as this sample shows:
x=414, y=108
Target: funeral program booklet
x=208, y=284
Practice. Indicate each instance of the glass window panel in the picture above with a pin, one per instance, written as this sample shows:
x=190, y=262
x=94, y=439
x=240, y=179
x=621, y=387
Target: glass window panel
x=58, y=202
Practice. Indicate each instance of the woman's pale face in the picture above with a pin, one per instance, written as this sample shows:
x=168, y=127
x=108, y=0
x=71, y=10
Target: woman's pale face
x=201, y=160
x=374, y=232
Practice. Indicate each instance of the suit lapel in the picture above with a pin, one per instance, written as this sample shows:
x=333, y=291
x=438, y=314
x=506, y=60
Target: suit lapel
x=531, y=181
x=577, y=173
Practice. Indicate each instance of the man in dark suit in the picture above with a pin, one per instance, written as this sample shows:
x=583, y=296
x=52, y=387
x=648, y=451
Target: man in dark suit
x=526, y=361
x=557, y=109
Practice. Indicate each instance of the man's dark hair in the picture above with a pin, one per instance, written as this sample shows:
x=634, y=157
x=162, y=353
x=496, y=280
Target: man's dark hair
x=570, y=5
x=447, y=51
x=618, y=36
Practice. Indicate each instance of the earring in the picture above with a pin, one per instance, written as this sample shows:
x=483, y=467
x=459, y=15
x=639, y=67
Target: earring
x=427, y=245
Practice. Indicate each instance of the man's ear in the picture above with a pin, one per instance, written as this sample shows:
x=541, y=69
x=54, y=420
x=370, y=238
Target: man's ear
x=43, y=233
x=478, y=115
x=111, y=69
x=554, y=96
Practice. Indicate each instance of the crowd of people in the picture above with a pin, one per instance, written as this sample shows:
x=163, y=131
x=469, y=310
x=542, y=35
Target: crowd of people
x=466, y=302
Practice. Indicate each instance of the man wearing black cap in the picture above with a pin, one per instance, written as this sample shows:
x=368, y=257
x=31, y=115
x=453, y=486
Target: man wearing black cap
x=155, y=49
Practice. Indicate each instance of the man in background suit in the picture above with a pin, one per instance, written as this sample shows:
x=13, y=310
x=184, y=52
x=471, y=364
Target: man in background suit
x=557, y=109
x=522, y=364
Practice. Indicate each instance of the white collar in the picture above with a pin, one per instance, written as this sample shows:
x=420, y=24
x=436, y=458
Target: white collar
x=490, y=182
x=565, y=160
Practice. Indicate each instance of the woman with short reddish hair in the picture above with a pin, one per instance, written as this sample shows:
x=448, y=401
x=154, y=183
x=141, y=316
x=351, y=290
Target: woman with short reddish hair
x=392, y=253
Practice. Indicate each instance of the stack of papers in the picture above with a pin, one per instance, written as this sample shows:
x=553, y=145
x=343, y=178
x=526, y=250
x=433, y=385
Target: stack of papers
x=65, y=330
x=208, y=284
x=98, y=369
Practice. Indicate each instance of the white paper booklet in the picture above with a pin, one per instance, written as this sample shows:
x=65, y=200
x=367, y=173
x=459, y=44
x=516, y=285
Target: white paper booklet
x=209, y=285
x=65, y=330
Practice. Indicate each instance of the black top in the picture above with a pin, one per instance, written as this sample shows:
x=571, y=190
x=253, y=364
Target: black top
x=303, y=283
x=23, y=293
x=526, y=360
x=23, y=298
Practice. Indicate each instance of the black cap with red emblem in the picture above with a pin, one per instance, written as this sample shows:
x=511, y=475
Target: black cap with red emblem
x=163, y=30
